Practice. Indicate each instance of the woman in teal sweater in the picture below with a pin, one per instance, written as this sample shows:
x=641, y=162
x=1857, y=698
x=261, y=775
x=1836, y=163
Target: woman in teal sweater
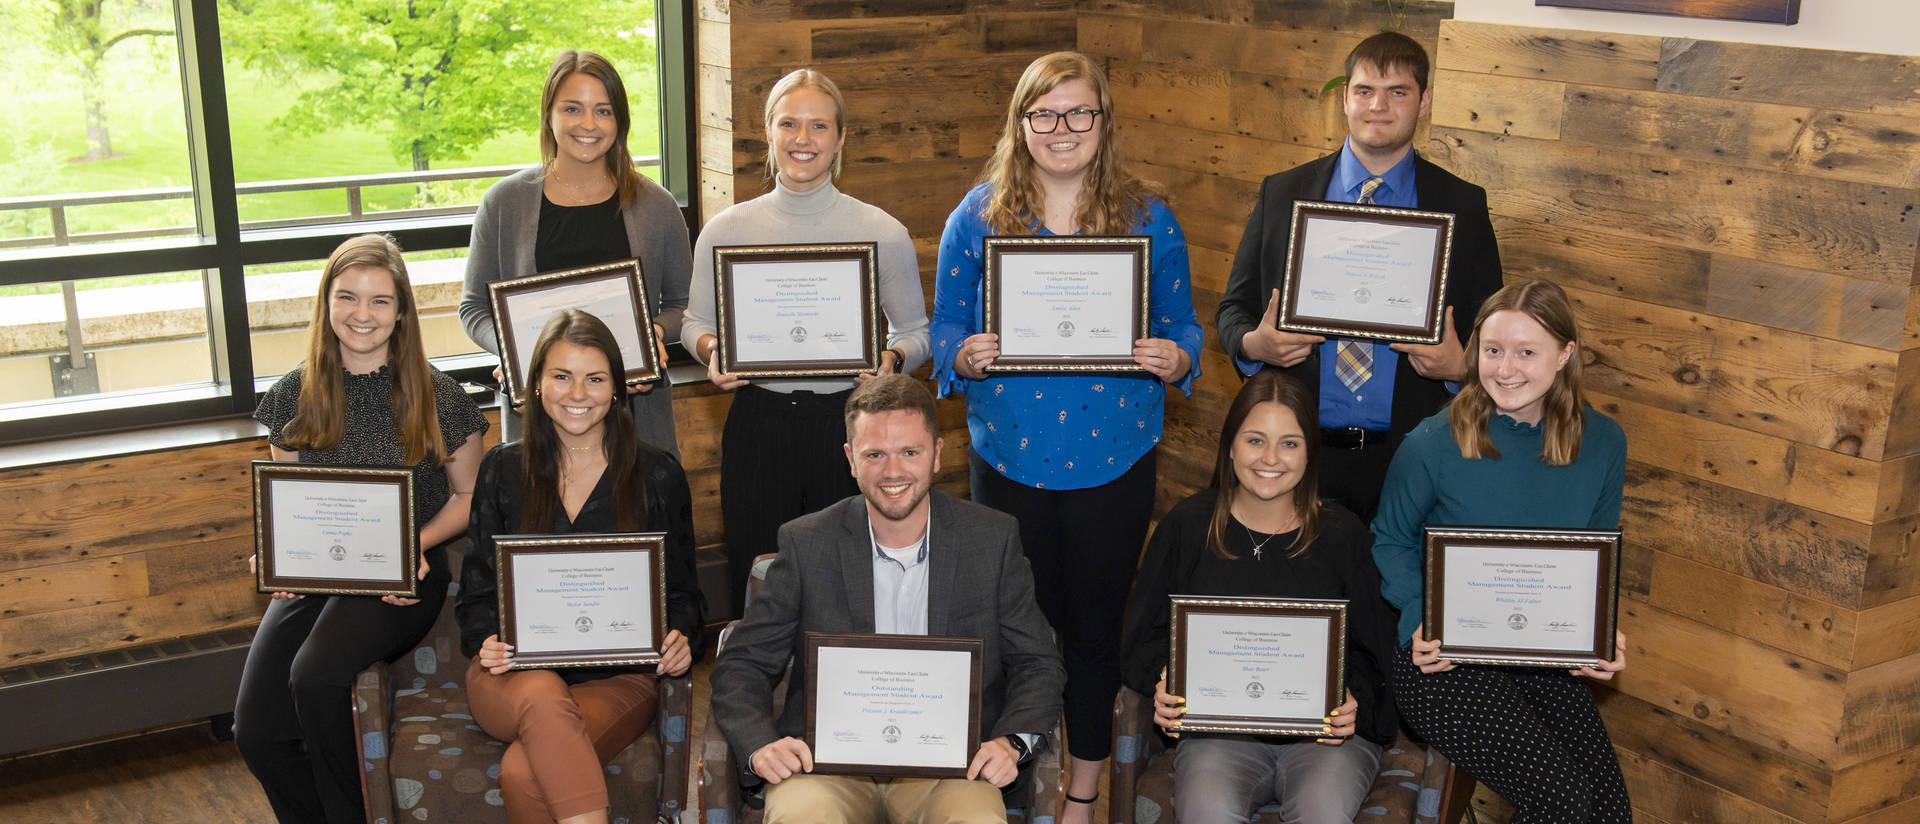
x=1518, y=447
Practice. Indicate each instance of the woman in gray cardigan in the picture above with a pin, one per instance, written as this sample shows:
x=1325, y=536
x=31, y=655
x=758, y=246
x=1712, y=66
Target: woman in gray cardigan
x=584, y=205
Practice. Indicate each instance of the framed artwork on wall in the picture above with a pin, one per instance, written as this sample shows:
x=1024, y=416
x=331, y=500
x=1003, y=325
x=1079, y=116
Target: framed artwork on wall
x=1784, y=12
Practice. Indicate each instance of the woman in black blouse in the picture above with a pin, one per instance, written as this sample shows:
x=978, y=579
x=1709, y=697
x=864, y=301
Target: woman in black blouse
x=1261, y=530
x=581, y=469
x=364, y=396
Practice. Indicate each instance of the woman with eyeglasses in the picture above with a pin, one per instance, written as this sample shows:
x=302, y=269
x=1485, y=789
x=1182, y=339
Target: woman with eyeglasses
x=582, y=206
x=1070, y=455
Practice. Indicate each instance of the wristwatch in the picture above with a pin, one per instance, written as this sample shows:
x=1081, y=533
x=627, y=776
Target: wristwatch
x=899, y=360
x=1019, y=743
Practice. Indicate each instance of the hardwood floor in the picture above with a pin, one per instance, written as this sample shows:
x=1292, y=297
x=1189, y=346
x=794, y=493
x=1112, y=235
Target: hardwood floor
x=179, y=775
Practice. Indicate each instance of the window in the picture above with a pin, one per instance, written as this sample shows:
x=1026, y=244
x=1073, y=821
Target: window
x=178, y=169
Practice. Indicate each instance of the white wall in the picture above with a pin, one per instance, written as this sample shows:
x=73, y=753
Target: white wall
x=1886, y=26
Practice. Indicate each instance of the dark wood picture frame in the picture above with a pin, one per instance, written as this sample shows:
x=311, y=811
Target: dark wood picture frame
x=508, y=547
x=1604, y=543
x=1293, y=320
x=973, y=647
x=993, y=286
x=267, y=576
x=627, y=272
x=1333, y=611
x=1784, y=12
x=726, y=289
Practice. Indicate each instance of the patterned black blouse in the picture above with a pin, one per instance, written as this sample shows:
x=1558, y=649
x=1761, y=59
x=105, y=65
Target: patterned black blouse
x=667, y=507
x=370, y=438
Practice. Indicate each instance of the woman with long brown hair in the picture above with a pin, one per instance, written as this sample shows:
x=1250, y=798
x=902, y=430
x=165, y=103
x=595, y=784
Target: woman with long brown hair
x=1518, y=447
x=1070, y=455
x=580, y=469
x=583, y=205
x=1262, y=530
x=365, y=396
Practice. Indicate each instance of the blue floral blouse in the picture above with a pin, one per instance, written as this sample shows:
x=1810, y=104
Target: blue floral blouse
x=1060, y=431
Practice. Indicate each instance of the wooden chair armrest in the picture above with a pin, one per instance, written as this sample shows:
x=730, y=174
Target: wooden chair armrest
x=674, y=718
x=1136, y=740
x=372, y=719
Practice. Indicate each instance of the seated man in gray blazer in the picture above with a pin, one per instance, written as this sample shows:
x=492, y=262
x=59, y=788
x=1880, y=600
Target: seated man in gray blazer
x=897, y=558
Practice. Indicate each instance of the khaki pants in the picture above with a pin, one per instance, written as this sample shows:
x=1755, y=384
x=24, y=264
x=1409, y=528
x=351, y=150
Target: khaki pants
x=804, y=799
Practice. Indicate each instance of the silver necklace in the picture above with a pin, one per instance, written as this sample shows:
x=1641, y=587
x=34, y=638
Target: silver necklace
x=1258, y=545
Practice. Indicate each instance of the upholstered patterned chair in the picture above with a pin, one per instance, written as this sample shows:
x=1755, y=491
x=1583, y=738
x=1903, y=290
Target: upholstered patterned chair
x=722, y=801
x=426, y=759
x=1415, y=785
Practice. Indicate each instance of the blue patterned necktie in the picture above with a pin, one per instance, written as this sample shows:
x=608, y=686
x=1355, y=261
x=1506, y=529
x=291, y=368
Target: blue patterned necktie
x=1353, y=359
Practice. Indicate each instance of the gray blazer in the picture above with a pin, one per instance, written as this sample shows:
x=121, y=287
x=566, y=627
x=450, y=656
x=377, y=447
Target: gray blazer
x=505, y=229
x=822, y=580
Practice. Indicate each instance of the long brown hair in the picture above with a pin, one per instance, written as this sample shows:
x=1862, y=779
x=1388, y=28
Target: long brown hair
x=540, y=452
x=1112, y=200
x=618, y=159
x=1268, y=385
x=1564, y=419
x=321, y=417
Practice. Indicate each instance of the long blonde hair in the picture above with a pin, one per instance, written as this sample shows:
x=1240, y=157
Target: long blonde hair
x=320, y=419
x=1112, y=200
x=618, y=159
x=1564, y=419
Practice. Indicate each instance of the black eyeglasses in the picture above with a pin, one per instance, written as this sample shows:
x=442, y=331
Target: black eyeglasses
x=1045, y=121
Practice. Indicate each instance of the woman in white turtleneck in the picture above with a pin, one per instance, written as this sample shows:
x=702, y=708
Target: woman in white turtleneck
x=780, y=456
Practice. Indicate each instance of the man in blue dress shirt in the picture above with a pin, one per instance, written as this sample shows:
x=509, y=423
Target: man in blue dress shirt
x=1371, y=394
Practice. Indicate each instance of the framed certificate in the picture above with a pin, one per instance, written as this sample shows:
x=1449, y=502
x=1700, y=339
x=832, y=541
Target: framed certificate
x=613, y=292
x=333, y=530
x=1258, y=666
x=1523, y=597
x=1367, y=272
x=582, y=600
x=893, y=704
x=797, y=311
x=1066, y=304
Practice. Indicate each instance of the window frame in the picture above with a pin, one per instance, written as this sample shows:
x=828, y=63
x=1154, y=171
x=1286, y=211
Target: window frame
x=223, y=250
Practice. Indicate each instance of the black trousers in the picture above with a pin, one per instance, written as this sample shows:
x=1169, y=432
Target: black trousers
x=293, y=721
x=1532, y=735
x=781, y=457
x=1083, y=545
x=1354, y=476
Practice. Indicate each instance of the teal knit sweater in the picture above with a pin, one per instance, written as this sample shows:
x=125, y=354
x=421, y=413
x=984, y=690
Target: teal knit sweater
x=1430, y=484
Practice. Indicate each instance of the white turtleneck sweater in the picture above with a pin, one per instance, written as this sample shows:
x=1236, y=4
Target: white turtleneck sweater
x=823, y=215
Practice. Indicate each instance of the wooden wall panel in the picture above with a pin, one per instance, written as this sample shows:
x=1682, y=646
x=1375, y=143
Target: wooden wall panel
x=1859, y=229
x=1714, y=759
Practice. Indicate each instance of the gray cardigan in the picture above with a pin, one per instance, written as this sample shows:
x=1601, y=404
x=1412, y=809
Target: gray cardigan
x=505, y=230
